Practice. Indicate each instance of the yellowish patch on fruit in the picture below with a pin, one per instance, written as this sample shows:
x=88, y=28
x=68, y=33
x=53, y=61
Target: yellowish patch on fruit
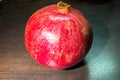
x=85, y=31
x=52, y=52
x=56, y=54
x=68, y=58
x=67, y=26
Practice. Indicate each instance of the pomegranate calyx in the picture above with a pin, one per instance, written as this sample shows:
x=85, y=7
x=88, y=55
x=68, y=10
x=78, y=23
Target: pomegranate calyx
x=63, y=7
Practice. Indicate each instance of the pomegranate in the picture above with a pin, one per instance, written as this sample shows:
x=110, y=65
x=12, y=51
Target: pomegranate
x=58, y=36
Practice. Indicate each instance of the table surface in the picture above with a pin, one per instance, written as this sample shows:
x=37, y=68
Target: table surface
x=101, y=63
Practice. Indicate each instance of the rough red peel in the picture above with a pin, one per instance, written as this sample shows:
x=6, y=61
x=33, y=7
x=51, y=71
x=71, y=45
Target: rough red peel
x=58, y=36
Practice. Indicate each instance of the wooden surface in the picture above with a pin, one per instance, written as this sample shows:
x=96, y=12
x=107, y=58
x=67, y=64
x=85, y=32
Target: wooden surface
x=101, y=63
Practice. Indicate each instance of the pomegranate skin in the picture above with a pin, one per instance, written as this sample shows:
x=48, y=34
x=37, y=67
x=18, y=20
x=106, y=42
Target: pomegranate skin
x=57, y=40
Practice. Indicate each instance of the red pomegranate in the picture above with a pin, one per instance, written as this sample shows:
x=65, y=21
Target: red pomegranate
x=58, y=36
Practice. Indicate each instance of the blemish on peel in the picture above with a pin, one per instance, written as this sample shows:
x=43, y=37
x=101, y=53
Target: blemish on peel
x=68, y=58
x=52, y=52
x=85, y=31
x=68, y=26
